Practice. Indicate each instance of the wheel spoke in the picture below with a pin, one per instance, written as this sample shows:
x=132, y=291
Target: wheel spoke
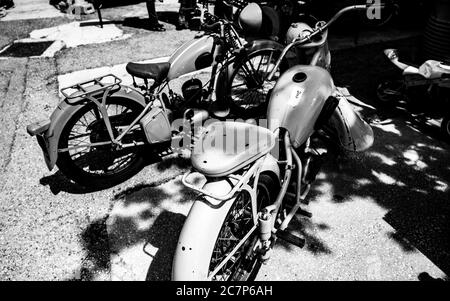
x=90, y=130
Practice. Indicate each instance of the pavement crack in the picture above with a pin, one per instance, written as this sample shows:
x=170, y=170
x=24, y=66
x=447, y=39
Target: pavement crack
x=15, y=120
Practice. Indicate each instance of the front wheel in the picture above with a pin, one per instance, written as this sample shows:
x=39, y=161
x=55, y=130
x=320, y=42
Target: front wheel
x=245, y=263
x=248, y=88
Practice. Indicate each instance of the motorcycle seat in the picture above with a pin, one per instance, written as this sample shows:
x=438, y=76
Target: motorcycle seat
x=155, y=71
x=226, y=147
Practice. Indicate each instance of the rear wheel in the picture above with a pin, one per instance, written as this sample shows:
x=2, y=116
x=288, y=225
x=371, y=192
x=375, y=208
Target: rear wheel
x=103, y=165
x=244, y=264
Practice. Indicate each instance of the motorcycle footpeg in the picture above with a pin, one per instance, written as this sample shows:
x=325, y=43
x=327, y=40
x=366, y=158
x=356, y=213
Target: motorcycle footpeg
x=304, y=213
x=291, y=238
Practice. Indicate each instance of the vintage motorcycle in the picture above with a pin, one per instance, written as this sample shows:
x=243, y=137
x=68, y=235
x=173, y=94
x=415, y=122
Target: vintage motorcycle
x=98, y=133
x=253, y=180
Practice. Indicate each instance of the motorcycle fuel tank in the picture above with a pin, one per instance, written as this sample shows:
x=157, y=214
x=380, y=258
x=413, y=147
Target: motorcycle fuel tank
x=191, y=56
x=297, y=101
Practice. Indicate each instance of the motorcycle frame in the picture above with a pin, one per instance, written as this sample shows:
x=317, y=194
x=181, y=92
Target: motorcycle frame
x=151, y=97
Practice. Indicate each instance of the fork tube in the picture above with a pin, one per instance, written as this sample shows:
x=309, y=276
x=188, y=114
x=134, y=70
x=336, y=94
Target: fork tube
x=299, y=174
x=294, y=210
x=287, y=178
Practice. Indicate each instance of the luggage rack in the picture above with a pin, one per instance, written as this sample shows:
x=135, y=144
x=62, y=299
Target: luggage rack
x=91, y=87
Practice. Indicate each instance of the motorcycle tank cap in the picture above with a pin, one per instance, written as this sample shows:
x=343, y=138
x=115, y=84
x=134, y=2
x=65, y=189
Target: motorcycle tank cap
x=250, y=18
x=299, y=77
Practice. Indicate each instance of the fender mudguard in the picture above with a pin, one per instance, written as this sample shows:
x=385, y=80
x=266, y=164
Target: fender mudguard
x=226, y=72
x=66, y=110
x=201, y=228
x=348, y=128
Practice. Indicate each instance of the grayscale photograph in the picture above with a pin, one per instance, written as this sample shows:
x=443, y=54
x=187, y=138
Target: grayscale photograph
x=225, y=140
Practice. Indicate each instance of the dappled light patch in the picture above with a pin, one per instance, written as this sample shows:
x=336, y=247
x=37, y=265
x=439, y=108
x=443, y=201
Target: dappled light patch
x=362, y=182
x=386, y=179
x=441, y=186
x=388, y=127
x=383, y=158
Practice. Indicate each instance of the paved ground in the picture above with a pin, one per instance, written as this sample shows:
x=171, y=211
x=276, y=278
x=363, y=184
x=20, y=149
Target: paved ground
x=380, y=216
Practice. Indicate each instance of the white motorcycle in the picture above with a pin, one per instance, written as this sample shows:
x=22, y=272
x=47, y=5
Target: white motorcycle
x=253, y=180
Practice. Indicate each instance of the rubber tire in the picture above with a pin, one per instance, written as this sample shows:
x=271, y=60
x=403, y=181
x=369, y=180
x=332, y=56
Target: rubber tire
x=71, y=171
x=273, y=188
x=261, y=109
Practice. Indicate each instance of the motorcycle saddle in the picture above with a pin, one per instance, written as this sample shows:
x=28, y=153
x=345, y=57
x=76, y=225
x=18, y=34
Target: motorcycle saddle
x=155, y=71
x=226, y=147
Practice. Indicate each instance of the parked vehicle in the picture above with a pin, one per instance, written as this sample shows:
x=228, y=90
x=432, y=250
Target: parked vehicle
x=253, y=186
x=251, y=20
x=98, y=134
x=425, y=87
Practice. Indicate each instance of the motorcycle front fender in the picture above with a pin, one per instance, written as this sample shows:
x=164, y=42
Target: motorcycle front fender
x=348, y=129
x=199, y=234
x=63, y=113
x=203, y=223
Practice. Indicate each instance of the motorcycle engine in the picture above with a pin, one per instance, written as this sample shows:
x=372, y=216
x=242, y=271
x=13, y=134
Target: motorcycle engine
x=192, y=91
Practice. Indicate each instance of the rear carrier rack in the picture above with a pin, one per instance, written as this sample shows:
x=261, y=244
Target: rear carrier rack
x=91, y=87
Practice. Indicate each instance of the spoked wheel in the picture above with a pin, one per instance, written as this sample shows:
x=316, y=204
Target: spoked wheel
x=86, y=153
x=248, y=86
x=445, y=127
x=245, y=263
x=390, y=93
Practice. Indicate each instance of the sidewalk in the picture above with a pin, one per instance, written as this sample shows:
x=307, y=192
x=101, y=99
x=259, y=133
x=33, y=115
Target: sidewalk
x=32, y=9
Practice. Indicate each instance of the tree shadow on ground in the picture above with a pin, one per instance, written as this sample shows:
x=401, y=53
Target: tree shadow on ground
x=407, y=170
x=164, y=236
x=138, y=218
x=57, y=182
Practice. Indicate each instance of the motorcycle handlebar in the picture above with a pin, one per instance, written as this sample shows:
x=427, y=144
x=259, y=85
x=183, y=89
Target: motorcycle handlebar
x=319, y=30
x=213, y=26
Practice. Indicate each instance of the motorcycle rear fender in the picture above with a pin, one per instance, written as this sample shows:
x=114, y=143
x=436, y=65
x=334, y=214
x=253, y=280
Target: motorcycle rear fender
x=65, y=111
x=348, y=128
x=198, y=236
